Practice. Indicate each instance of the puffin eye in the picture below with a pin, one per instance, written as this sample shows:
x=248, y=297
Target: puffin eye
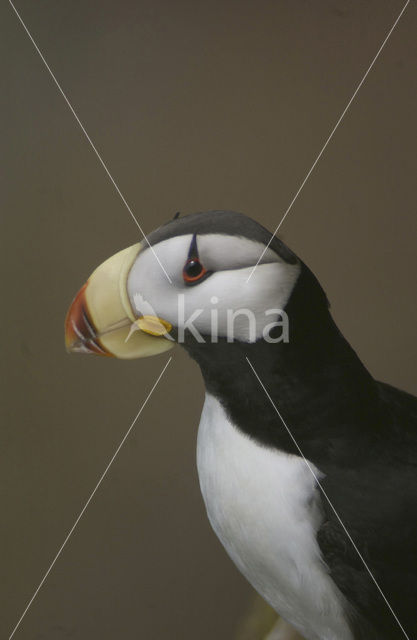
x=193, y=271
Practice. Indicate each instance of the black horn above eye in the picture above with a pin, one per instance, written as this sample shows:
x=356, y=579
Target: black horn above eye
x=194, y=271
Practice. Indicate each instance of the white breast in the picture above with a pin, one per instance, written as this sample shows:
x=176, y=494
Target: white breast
x=265, y=507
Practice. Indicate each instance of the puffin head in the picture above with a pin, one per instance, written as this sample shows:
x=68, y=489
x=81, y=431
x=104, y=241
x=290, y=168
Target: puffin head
x=192, y=278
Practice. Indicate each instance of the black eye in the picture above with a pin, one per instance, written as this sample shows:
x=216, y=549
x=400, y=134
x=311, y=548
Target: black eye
x=193, y=270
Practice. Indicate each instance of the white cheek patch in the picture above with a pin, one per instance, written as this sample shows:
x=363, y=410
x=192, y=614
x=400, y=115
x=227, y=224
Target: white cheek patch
x=238, y=308
x=222, y=305
x=220, y=252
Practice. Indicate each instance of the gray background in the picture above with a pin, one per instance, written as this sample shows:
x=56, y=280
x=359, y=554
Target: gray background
x=193, y=105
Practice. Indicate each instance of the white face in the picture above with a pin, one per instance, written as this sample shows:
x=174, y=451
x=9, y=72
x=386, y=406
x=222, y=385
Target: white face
x=221, y=300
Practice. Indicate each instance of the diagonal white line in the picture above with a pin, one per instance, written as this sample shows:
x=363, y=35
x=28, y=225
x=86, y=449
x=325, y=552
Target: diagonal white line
x=103, y=475
x=103, y=164
x=330, y=137
x=327, y=498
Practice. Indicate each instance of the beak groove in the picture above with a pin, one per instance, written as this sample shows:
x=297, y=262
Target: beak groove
x=100, y=318
x=80, y=332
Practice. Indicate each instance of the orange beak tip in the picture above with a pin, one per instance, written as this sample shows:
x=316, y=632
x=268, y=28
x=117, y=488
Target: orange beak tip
x=80, y=333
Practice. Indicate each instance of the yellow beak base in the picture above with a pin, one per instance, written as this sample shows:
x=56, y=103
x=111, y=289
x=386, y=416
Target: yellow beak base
x=100, y=317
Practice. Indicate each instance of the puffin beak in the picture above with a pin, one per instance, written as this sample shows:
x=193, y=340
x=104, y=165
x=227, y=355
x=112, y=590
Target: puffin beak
x=101, y=319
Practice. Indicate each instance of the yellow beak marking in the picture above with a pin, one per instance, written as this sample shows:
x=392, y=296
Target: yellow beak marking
x=153, y=325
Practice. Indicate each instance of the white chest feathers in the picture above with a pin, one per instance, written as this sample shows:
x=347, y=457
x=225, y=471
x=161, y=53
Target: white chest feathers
x=265, y=507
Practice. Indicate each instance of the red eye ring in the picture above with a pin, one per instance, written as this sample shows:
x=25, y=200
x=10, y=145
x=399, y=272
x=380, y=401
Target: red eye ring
x=193, y=271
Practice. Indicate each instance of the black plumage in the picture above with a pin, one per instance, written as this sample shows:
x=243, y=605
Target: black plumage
x=359, y=432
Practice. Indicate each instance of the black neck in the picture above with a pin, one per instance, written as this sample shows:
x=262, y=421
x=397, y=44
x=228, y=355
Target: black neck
x=318, y=384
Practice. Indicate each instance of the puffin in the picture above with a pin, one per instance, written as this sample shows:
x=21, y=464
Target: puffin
x=307, y=464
